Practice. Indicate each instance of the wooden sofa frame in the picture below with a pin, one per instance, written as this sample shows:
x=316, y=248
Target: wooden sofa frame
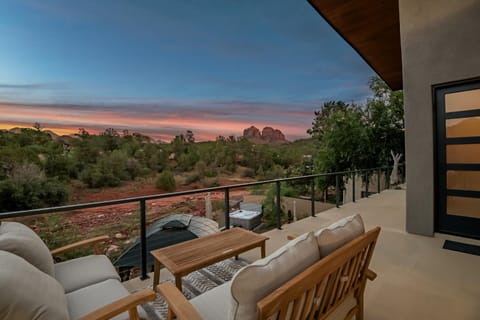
x=313, y=294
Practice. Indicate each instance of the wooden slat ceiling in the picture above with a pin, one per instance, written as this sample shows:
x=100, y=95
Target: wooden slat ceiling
x=372, y=28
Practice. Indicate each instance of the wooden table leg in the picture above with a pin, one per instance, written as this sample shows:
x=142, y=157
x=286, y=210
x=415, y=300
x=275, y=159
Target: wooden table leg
x=178, y=282
x=262, y=248
x=170, y=314
x=156, y=274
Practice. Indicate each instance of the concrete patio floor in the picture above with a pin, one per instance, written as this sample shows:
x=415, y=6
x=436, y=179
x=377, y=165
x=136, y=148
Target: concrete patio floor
x=417, y=279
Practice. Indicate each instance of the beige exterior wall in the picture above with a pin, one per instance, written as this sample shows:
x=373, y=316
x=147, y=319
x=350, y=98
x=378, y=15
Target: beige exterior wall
x=440, y=43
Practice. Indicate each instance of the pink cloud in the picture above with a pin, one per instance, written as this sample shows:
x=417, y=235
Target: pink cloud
x=158, y=123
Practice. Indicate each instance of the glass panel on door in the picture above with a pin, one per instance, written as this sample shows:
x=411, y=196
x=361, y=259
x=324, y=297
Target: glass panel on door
x=463, y=153
x=462, y=101
x=463, y=180
x=463, y=206
x=463, y=127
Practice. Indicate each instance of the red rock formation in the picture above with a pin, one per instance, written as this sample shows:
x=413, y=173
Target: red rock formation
x=268, y=135
x=252, y=133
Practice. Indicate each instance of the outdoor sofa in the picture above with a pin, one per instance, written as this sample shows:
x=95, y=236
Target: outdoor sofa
x=318, y=275
x=34, y=287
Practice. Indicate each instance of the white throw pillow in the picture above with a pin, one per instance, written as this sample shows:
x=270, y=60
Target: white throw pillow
x=27, y=293
x=339, y=233
x=24, y=242
x=255, y=281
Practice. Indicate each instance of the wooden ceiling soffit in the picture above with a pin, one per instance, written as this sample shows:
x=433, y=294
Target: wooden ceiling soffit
x=372, y=28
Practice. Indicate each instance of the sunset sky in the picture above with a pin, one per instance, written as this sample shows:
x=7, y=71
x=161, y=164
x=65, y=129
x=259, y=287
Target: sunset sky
x=161, y=67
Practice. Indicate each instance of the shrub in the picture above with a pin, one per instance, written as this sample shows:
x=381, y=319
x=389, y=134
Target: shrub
x=275, y=172
x=166, y=181
x=270, y=207
x=210, y=172
x=218, y=205
x=200, y=168
x=91, y=176
x=8, y=192
x=249, y=173
x=53, y=192
x=28, y=188
x=94, y=177
x=290, y=191
x=134, y=168
x=191, y=179
x=110, y=180
x=211, y=182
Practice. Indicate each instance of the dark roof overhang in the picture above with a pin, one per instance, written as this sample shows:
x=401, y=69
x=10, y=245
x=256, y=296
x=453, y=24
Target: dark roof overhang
x=372, y=28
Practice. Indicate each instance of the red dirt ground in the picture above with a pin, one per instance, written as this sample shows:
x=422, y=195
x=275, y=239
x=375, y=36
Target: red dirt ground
x=87, y=219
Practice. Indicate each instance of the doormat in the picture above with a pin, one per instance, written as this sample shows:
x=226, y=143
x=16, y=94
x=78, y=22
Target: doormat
x=196, y=283
x=462, y=247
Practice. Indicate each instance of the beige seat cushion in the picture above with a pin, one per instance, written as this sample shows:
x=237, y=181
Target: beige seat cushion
x=24, y=242
x=27, y=293
x=339, y=233
x=84, y=271
x=213, y=304
x=88, y=299
x=253, y=282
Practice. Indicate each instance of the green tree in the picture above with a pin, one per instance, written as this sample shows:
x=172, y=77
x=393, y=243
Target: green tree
x=322, y=117
x=351, y=137
x=342, y=140
x=344, y=144
x=184, y=148
x=385, y=122
x=37, y=126
x=111, y=139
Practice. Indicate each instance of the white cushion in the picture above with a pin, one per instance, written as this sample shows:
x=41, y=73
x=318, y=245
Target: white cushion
x=88, y=299
x=24, y=242
x=27, y=293
x=84, y=271
x=253, y=282
x=213, y=304
x=339, y=233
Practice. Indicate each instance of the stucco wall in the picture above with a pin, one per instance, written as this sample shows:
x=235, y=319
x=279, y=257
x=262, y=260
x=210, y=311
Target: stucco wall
x=440, y=43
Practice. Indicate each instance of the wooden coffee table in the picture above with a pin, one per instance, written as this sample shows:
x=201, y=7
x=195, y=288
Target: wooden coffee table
x=186, y=257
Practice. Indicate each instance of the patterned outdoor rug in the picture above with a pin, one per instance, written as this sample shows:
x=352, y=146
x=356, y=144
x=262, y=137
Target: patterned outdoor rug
x=195, y=284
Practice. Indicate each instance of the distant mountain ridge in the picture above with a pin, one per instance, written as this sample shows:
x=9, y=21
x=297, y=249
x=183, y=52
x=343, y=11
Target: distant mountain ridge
x=52, y=134
x=268, y=135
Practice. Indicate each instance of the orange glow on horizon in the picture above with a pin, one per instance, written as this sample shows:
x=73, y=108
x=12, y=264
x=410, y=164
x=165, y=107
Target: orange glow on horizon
x=158, y=125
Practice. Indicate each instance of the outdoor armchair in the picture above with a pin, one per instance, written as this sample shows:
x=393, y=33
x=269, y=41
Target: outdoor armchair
x=33, y=287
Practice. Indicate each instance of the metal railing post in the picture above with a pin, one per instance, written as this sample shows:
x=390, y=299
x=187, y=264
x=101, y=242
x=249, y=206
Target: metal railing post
x=378, y=181
x=353, y=186
x=278, y=209
x=366, y=183
x=337, y=191
x=143, y=238
x=312, y=196
x=227, y=208
x=387, y=178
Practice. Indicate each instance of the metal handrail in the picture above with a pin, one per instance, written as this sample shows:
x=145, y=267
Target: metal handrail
x=142, y=201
